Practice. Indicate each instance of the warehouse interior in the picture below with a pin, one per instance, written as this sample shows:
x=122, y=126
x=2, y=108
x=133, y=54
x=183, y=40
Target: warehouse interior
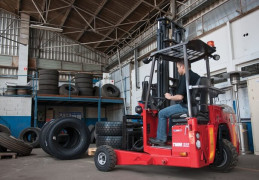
x=87, y=60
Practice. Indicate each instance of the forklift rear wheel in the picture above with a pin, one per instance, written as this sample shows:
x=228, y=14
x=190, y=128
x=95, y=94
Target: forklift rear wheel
x=105, y=158
x=228, y=159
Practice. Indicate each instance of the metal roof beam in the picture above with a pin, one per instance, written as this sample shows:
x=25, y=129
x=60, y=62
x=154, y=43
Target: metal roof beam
x=133, y=26
x=93, y=18
x=123, y=18
x=38, y=11
x=67, y=13
x=157, y=8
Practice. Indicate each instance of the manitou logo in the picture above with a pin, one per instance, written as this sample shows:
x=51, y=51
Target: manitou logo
x=181, y=145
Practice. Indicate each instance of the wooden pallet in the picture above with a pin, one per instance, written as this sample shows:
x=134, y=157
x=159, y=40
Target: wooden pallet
x=91, y=151
x=8, y=155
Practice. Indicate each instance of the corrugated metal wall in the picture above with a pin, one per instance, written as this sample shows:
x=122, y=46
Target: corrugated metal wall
x=54, y=46
x=126, y=78
x=218, y=16
x=9, y=28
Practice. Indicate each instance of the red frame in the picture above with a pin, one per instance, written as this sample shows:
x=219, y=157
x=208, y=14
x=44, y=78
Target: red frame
x=182, y=151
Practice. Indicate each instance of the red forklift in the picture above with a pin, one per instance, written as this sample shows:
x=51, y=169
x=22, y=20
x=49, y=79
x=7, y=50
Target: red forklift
x=206, y=136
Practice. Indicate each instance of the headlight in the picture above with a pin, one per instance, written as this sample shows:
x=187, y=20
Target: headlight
x=198, y=135
x=198, y=144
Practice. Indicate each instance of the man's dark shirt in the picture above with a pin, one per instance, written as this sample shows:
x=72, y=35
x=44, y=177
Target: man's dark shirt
x=181, y=90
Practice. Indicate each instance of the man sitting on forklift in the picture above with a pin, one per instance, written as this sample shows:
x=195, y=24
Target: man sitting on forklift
x=180, y=107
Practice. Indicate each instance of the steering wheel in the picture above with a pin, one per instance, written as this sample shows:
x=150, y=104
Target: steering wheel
x=159, y=103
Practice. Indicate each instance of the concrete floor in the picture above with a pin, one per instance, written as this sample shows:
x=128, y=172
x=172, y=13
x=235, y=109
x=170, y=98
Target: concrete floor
x=41, y=166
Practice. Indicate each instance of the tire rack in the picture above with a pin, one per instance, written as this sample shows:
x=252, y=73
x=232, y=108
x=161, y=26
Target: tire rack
x=93, y=99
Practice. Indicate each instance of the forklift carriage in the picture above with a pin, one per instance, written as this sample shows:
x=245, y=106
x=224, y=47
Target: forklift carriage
x=206, y=136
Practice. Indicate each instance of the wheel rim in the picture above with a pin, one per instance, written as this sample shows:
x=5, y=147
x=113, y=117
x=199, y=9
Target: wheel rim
x=224, y=158
x=101, y=158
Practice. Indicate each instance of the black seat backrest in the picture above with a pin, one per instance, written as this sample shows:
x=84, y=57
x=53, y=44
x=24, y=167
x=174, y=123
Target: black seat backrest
x=199, y=97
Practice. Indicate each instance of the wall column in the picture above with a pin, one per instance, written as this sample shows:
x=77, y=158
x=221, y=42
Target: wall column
x=23, y=50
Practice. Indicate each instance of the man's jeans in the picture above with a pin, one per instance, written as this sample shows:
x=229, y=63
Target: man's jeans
x=163, y=115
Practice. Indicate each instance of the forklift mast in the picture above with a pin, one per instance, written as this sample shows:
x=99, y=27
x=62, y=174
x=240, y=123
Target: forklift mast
x=168, y=33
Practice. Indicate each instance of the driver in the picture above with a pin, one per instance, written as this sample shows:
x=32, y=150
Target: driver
x=180, y=107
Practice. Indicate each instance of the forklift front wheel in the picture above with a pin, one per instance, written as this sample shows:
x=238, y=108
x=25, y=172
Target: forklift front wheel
x=105, y=158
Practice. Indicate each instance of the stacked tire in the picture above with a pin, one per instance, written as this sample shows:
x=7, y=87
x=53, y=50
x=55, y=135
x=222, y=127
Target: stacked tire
x=65, y=138
x=15, y=145
x=109, y=133
x=84, y=83
x=48, y=81
x=11, y=90
x=107, y=90
x=30, y=136
x=68, y=89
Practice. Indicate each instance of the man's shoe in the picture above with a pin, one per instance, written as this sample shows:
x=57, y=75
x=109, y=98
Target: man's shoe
x=156, y=141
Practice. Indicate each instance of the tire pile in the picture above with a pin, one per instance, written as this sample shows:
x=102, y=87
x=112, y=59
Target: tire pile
x=65, y=138
x=48, y=81
x=15, y=145
x=84, y=83
x=107, y=90
x=68, y=89
x=109, y=133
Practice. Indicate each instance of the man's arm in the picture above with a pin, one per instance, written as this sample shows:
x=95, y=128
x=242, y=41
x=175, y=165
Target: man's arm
x=176, y=97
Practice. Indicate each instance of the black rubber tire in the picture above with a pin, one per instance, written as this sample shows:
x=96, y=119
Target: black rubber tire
x=105, y=158
x=109, y=90
x=5, y=129
x=49, y=77
x=84, y=85
x=229, y=159
x=22, y=91
x=82, y=75
x=85, y=91
x=48, y=71
x=48, y=82
x=10, y=92
x=64, y=90
x=43, y=134
x=83, y=80
x=48, y=87
x=78, y=141
x=109, y=128
x=30, y=136
x=51, y=91
x=15, y=145
x=113, y=141
x=96, y=91
x=91, y=130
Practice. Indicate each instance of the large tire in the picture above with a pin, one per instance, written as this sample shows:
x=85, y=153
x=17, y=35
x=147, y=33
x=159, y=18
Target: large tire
x=48, y=87
x=49, y=77
x=5, y=129
x=48, y=71
x=83, y=80
x=109, y=128
x=67, y=89
x=81, y=75
x=78, y=139
x=15, y=145
x=43, y=134
x=22, y=91
x=48, y=82
x=10, y=92
x=84, y=85
x=113, y=141
x=91, y=130
x=105, y=158
x=109, y=90
x=85, y=91
x=227, y=160
x=30, y=136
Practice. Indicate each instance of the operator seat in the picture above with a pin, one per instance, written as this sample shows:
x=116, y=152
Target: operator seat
x=199, y=100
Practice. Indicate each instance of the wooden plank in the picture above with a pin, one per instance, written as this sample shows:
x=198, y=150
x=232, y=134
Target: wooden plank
x=91, y=151
x=8, y=154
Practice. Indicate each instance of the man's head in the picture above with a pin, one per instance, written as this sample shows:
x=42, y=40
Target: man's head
x=181, y=67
